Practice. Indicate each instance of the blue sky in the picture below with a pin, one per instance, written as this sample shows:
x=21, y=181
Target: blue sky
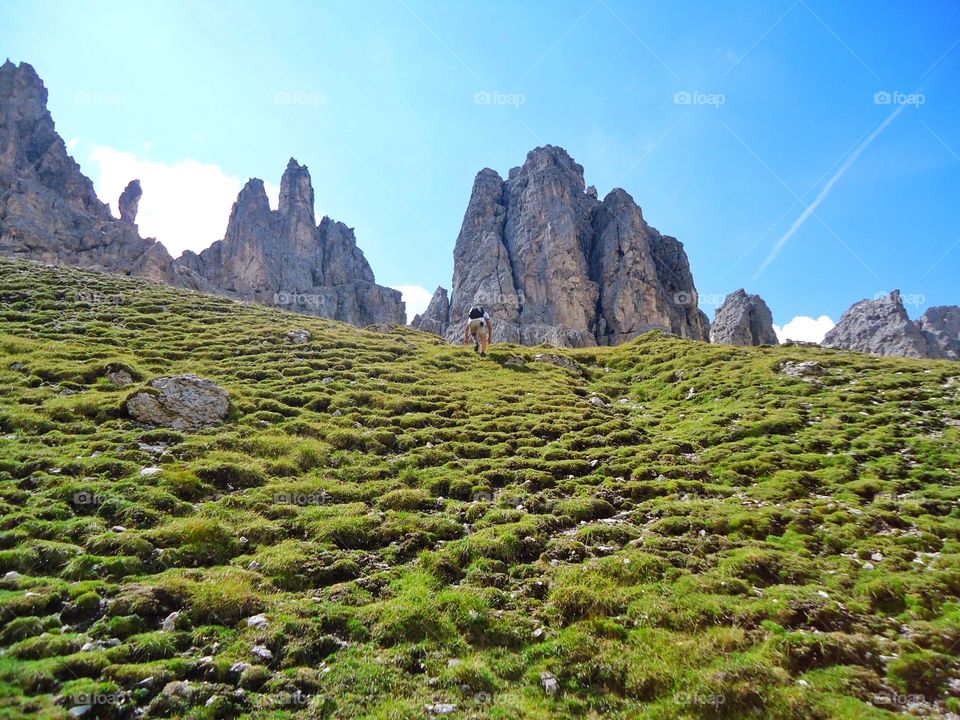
x=787, y=138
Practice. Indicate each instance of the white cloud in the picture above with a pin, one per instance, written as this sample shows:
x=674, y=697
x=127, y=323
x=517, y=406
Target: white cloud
x=185, y=205
x=804, y=328
x=416, y=298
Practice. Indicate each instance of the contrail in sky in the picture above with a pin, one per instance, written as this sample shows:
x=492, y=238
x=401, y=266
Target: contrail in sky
x=822, y=195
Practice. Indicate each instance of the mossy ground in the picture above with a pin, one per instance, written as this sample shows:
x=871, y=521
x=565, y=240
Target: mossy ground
x=676, y=530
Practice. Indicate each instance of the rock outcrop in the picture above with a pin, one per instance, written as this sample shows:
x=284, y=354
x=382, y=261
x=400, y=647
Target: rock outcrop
x=882, y=327
x=48, y=208
x=743, y=319
x=183, y=402
x=553, y=264
x=129, y=201
x=283, y=258
x=50, y=212
x=436, y=317
x=941, y=329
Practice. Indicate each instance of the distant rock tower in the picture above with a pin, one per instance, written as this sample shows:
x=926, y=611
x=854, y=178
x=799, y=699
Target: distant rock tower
x=743, y=319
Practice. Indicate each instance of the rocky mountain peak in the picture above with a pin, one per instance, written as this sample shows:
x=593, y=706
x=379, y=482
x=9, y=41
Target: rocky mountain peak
x=50, y=212
x=880, y=326
x=743, y=319
x=554, y=160
x=283, y=258
x=296, y=191
x=941, y=328
x=554, y=265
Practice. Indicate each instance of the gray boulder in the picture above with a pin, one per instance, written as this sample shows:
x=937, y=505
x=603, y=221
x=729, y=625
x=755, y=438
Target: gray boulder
x=182, y=402
x=743, y=319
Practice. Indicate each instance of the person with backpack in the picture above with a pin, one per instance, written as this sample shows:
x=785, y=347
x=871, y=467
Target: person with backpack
x=480, y=329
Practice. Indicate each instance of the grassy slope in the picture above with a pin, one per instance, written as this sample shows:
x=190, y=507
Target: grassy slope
x=680, y=531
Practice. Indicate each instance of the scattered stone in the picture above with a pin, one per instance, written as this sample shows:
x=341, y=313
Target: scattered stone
x=549, y=683
x=120, y=377
x=299, y=336
x=258, y=621
x=262, y=653
x=147, y=472
x=183, y=402
x=239, y=667
x=80, y=711
x=441, y=708
x=180, y=689
x=560, y=361
x=169, y=623
x=803, y=370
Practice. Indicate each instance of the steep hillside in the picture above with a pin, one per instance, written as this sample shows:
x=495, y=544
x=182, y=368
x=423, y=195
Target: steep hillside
x=386, y=526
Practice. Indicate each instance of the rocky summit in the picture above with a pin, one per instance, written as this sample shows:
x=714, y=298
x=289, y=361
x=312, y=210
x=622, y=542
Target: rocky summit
x=553, y=264
x=883, y=327
x=743, y=319
x=941, y=327
x=50, y=212
x=283, y=258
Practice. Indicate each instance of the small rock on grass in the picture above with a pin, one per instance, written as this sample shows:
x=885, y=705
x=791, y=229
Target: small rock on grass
x=258, y=621
x=261, y=652
x=549, y=682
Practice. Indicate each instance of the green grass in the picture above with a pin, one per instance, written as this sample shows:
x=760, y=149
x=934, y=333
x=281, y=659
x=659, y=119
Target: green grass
x=709, y=539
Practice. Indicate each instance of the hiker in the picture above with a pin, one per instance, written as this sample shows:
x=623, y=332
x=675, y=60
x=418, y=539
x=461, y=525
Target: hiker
x=480, y=329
